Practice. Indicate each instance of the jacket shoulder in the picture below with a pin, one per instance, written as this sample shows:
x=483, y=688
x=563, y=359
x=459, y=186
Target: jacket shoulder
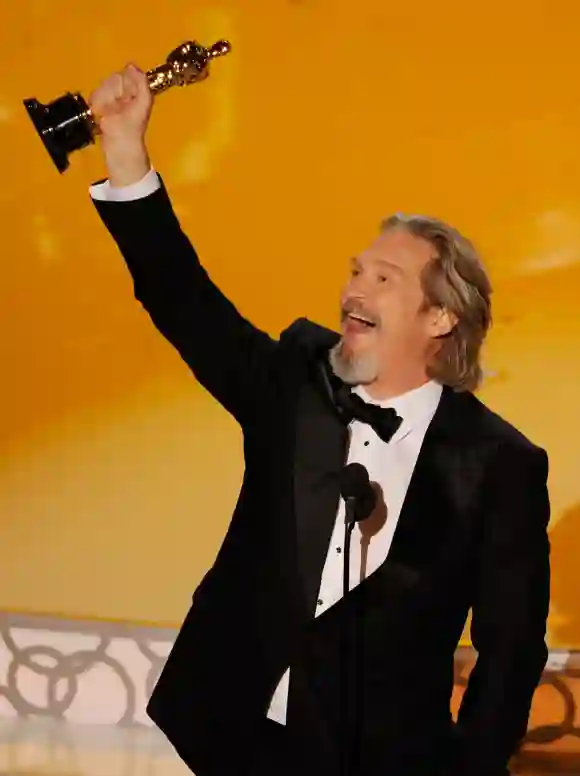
x=308, y=336
x=498, y=429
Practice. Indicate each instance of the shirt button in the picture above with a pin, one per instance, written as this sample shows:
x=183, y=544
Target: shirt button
x=320, y=602
x=339, y=550
x=367, y=443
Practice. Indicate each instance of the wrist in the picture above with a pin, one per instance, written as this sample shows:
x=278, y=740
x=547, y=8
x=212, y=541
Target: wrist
x=127, y=161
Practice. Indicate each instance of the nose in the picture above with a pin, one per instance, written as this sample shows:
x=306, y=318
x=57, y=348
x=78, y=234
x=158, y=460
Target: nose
x=356, y=288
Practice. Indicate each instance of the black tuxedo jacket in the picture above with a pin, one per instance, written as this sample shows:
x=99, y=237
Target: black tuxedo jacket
x=472, y=534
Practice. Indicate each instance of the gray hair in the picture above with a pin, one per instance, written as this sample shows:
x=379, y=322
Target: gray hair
x=456, y=281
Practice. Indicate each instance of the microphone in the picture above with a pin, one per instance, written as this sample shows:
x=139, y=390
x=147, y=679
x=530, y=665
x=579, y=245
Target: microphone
x=359, y=495
x=360, y=500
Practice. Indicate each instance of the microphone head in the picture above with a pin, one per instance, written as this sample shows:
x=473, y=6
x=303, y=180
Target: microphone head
x=354, y=481
x=356, y=488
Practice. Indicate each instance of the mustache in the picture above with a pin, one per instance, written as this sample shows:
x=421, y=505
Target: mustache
x=354, y=307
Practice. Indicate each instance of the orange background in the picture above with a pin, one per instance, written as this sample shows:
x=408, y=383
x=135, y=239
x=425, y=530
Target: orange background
x=117, y=472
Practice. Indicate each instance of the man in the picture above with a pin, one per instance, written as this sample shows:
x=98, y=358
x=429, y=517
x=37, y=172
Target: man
x=255, y=679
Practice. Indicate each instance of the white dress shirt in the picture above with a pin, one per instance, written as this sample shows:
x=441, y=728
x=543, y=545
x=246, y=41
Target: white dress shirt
x=390, y=466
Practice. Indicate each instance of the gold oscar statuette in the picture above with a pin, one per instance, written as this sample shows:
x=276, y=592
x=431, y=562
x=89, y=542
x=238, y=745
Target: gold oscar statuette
x=67, y=123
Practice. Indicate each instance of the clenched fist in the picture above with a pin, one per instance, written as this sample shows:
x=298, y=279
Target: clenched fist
x=121, y=106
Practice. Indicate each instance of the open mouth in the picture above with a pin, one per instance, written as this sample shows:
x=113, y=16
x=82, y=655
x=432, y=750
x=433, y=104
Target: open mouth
x=362, y=319
x=357, y=322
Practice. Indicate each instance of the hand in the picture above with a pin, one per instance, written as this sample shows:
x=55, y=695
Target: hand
x=122, y=104
x=121, y=107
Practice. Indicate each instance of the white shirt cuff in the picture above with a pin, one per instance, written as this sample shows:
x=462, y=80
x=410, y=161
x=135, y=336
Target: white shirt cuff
x=104, y=192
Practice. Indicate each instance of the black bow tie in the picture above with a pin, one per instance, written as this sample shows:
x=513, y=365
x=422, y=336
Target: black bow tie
x=383, y=420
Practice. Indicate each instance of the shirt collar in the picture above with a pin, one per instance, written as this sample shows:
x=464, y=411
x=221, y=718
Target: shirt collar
x=413, y=406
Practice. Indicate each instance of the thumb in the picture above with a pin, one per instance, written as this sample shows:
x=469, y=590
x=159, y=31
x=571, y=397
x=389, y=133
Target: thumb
x=138, y=79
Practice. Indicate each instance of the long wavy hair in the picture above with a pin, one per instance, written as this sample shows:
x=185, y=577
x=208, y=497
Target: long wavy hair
x=456, y=281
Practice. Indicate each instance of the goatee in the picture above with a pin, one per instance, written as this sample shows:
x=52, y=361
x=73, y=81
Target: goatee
x=352, y=369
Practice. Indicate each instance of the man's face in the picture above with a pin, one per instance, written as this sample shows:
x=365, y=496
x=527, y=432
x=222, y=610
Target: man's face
x=385, y=324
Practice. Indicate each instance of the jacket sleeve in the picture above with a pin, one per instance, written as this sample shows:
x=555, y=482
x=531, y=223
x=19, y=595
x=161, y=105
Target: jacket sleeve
x=229, y=356
x=509, y=612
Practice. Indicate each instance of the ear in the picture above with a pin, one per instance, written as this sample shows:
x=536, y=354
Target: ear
x=442, y=323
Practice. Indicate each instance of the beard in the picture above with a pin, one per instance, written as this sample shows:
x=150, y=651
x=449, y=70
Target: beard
x=353, y=369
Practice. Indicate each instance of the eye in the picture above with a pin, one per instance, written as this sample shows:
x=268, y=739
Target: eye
x=382, y=278
x=355, y=272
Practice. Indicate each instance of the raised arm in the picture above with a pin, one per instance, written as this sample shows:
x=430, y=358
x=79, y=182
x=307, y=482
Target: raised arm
x=234, y=360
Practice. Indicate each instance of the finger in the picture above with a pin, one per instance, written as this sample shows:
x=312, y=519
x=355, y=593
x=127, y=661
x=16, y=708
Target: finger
x=139, y=79
x=130, y=86
x=109, y=92
x=117, y=86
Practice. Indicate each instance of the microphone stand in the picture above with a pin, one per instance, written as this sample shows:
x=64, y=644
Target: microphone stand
x=360, y=500
x=345, y=685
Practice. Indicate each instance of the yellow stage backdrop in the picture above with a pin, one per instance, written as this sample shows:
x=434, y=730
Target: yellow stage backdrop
x=117, y=472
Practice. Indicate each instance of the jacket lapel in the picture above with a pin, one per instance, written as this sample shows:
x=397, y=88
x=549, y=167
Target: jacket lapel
x=321, y=447
x=448, y=468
